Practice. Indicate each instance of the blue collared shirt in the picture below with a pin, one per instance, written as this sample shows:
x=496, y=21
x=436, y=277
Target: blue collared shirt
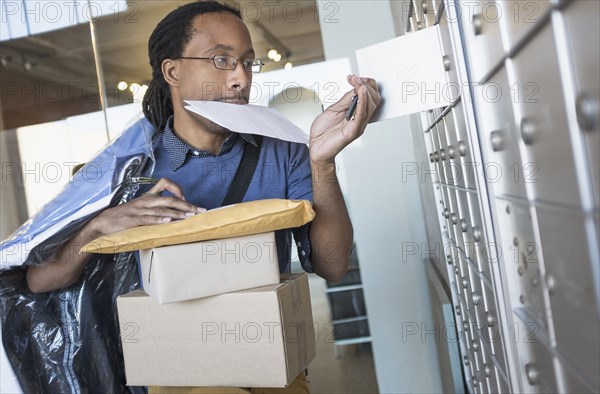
x=180, y=153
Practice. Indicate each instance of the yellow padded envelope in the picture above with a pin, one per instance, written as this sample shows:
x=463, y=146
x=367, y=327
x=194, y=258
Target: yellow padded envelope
x=236, y=220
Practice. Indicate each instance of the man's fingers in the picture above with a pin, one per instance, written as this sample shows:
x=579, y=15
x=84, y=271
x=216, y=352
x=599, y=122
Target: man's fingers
x=166, y=184
x=171, y=202
x=167, y=212
x=343, y=104
x=148, y=220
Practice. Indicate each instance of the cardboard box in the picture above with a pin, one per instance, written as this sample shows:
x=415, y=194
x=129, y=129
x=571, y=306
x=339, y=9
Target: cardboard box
x=263, y=337
x=202, y=269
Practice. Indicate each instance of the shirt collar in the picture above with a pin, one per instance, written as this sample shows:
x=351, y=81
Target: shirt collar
x=179, y=151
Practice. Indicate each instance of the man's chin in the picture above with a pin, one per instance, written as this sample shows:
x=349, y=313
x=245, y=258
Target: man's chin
x=211, y=126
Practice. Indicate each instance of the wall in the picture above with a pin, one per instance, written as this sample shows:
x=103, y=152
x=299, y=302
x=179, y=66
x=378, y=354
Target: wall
x=387, y=215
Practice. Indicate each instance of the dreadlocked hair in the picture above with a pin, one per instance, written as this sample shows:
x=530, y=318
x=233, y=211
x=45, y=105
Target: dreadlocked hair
x=168, y=41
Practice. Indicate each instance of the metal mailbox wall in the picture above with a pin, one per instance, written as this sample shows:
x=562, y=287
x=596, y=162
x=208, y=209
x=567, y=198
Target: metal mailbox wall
x=516, y=169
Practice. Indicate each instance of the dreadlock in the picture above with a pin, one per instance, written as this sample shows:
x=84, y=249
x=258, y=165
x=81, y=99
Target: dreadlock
x=168, y=41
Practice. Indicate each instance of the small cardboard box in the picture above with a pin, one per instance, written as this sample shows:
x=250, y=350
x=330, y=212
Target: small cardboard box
x=202, y=269
x=262, y=337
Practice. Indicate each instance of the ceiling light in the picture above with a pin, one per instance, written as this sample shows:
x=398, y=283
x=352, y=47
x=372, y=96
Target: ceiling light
x=288, y=65
x=134, y=87
x=272, y=53
x=122, y=85
x=277, y=57
x=4, y=60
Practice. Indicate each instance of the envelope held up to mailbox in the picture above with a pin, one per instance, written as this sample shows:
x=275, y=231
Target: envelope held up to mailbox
x=408, y=83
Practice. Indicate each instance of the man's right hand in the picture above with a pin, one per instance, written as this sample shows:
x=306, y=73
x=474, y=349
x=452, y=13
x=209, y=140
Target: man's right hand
x=150, y=208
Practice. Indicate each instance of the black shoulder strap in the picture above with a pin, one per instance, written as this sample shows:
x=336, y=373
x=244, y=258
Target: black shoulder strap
x=245, y=172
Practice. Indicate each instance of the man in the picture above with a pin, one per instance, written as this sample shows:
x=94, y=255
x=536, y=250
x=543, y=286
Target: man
x=200, y=45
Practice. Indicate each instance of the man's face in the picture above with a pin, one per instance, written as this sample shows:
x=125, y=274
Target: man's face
x=216, y=34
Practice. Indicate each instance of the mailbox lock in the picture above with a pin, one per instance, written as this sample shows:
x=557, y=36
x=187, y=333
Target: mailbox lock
x=491, y=320
x=462, y=148
x=451, y=152
x=487, y=370
x=587, y=111
x=477, y=24
x=476, y=298
x=476, y=234
x=497, y=140
x=532, y=373
x=528, y=131
x=446, y=61
x=550, y=284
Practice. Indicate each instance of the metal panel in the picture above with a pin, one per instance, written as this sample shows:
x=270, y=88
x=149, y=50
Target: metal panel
x=571, y=286
x=480, y=240
x=468, y=163
x=500, y=141
x=541, y=120
x=537, y=364
x=522, y=258
x=482, y=35
x=575, y=383
x=465, y=225
x=443, y=156
x=519, y=18
x=452, y=150
x=453, y=89
x=477, y=298
x=491, y=329
x=584, y=41
x=537, y=333
x=437, y=154
x=503, y=386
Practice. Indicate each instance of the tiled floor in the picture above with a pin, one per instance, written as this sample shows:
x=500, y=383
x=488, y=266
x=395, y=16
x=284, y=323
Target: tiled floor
x=353, y=371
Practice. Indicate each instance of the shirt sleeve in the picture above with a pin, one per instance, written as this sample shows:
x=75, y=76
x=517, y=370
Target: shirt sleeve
x=299, y=177
x=302, y=240
x=299, y=186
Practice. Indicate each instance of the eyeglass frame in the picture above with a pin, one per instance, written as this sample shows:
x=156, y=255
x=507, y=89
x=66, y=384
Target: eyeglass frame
x=261, y=64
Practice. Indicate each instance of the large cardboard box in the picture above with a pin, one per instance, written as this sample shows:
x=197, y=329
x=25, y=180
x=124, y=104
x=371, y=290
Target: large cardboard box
x=262, y=337
x=202, y=269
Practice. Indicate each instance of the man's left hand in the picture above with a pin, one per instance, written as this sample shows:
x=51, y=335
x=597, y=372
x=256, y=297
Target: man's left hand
x=331, y=132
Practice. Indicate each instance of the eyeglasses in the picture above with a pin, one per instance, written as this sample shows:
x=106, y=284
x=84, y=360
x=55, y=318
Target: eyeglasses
x=226, y=62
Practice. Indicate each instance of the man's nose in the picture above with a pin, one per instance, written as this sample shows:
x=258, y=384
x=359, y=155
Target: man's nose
x=239, y=78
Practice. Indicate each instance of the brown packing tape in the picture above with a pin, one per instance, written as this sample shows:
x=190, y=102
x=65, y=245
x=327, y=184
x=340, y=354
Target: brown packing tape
x=247, y=218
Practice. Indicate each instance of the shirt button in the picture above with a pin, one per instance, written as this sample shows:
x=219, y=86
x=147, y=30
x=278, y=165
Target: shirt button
x=299, y=244
x=196, y=153
x=303, y=253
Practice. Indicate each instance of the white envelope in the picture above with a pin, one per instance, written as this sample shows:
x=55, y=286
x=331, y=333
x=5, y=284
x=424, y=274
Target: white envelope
x=249, y=119
x=409, y=71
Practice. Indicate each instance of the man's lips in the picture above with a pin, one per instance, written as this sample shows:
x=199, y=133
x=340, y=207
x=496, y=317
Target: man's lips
x=236, y=100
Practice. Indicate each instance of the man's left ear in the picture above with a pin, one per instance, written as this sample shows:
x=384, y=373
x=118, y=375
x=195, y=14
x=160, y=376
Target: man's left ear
x=170, y=70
